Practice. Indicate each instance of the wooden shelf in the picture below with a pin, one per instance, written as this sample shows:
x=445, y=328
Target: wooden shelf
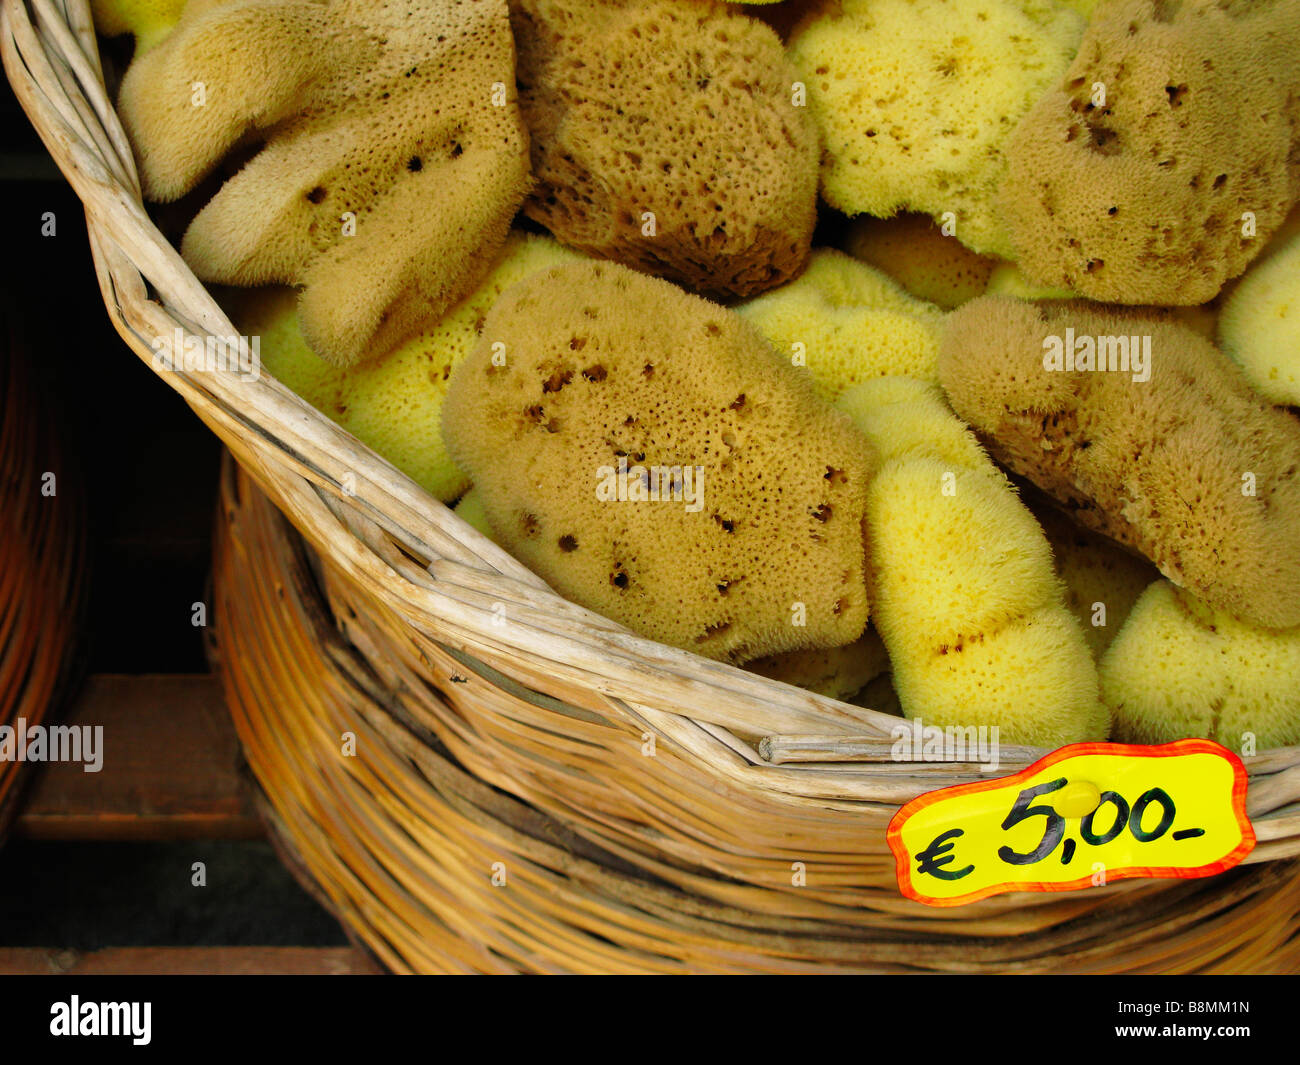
x=170, y=767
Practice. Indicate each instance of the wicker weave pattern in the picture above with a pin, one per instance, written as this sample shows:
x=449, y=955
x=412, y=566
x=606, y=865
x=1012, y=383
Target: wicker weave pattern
x=402, y=842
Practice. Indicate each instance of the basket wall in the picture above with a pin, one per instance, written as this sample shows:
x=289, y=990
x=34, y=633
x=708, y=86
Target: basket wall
x=403, y=843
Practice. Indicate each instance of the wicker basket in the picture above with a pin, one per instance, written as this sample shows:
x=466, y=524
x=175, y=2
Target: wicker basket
x=434, y=871
x=42, y=555
x=650, y=753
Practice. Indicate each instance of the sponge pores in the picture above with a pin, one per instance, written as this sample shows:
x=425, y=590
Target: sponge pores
x=914, y=251
x=394, y=156
x=1102, y=580
x=1168, y=153
x=844, y=322
x=916, y=99
x=608, y=390
x=1174, y=456
x=665, y=135
x=1180, y=669
x=961, y=580
x=393, y=404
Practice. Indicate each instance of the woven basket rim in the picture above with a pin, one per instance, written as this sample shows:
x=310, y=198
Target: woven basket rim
x=443, y=577
x=295, y=678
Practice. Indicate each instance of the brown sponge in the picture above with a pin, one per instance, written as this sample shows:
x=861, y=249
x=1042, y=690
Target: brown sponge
x=680, y=109
x=912, y=250
x=1140, y=199
x=394, y=156
x=1102, y=580
x=590, y=382
x=1188, y=466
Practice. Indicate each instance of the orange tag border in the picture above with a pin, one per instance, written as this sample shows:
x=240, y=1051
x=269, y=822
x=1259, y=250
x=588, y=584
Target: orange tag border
x=1240, y=780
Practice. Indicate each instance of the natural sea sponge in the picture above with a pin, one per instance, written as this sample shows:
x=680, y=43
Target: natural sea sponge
x=389, y=175
x=393, y=404
x=149, y=21
x=916, y=99
x=836, y=672
x=846, y=322
x=1259, y=326
x=1007, y=279
x=1179, y=669
x=879, y=695
x=912, y=250
x=651, y=457
x=1140, y=191
x=910, y=419
x=961, y=580
x=470, y=509
x=1102, y=580
x=1177, y=458
x=665, y=136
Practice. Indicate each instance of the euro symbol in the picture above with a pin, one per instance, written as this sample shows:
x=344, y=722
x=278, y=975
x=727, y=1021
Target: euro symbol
x=930, y=860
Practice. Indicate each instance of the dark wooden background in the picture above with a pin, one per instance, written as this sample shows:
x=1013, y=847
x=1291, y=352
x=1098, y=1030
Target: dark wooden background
x=96, y=872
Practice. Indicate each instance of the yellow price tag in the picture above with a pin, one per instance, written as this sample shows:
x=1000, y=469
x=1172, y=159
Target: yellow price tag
x=1085, y=814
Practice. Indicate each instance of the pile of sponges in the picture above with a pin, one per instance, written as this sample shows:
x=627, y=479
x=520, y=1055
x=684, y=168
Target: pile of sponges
x=936, y=354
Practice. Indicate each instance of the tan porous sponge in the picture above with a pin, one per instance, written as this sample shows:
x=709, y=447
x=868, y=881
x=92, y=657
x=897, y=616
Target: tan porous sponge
x=665, y=136
x=1102, y=580
x=912, y=250
x=607, y=382
x=961, y=581
x=1175, y=457
x=1180, y=669
x=1131, y=181
x=1259, y=327
x=394, y=155
x=843, y=322
x=836, y=672
x=393, y=404
x=916, y=99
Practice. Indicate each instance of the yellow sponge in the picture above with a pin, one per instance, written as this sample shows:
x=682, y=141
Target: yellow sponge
x=471, y=510
x=1034, y=679
x=836, y=672
x=961, y=578
x=149, y=21
x=1178, y=669
x=1102, y=580
x=1008, y=280
x=394, y=404
x=910, y=419
x=1259, y=327
x=912, y=250
x=916, y=99
x=846, y=323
